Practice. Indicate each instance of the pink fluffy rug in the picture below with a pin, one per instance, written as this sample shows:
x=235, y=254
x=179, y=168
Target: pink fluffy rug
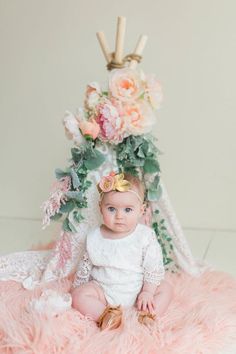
x=200, y=320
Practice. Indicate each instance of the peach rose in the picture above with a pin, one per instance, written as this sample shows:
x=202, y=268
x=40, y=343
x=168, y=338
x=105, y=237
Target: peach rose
x=125, y=84
x=90, y=129
x=139, y=118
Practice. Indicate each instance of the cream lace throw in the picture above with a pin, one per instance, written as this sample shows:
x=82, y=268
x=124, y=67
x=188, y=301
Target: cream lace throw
x=33, y=267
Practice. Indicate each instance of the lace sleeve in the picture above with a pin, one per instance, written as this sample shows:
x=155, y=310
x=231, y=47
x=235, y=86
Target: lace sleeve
x=153, y=261
x=83, y=271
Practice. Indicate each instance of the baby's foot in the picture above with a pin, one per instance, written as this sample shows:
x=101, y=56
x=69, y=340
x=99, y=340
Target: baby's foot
x=111, y=318
x=146, y=318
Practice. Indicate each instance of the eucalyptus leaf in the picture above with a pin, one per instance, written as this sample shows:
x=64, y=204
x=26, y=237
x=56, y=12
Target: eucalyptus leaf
x=67, y=207
x=60, y=174
x=66, y=225
x=131, y=170
x=168, y=260
x=145, y=148
x=76, y=155
x=152, y=195
x=86, y=185
x=94, y=161
x=74, y=195
x=82, y=170
x=72, y=227
x=159, y=192
x=75, y=179
x=56, y=217
x=137, y=162
x=82, y=204
x=154, y=184
x=151, y=166
x=74, y=219
x=78, y=217
x=140, y=153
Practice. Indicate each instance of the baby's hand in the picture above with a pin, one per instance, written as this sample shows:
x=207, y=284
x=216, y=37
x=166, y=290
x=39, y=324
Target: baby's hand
x=145, y=302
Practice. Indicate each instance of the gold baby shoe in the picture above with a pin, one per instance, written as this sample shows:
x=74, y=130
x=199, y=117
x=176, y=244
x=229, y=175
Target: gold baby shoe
x=146, y=318
x=111, y=318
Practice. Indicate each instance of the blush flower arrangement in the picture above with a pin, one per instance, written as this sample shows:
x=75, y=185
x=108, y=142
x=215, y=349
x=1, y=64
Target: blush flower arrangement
x=122, y=116
x=127, y=107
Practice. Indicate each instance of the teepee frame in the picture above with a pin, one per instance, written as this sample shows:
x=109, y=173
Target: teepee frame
x=116, y=59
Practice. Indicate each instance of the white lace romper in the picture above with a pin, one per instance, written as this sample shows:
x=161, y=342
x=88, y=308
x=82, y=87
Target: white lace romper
x=120, y=266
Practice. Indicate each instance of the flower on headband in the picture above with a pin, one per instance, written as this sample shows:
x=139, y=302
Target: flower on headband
x=121, y=184
x=107, y=183
x=114, y=182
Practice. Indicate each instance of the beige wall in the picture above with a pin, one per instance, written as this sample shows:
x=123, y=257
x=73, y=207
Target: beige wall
x=49, y=52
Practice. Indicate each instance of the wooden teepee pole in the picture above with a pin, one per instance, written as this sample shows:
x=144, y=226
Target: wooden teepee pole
x=103, y=43
x=138, y=49
x=120, y=36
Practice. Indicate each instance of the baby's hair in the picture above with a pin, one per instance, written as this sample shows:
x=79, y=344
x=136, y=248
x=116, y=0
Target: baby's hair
x=136, y=183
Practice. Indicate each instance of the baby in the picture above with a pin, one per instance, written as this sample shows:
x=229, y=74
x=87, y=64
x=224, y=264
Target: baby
x=123, y=264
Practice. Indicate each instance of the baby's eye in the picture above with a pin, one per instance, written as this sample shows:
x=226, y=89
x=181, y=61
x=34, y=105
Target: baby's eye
x=128, y=210
x=111, y=209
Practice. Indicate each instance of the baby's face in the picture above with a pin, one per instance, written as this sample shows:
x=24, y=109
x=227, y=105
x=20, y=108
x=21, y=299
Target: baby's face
x=121, y=211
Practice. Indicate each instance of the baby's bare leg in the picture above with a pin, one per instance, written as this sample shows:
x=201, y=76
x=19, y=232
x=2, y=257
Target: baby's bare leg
x=89, y=299
x=163, y=297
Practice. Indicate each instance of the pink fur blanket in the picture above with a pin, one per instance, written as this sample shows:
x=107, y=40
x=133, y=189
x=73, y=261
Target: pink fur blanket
x=200, y=320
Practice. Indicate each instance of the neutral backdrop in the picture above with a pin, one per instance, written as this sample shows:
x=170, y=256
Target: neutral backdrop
x=49, y=52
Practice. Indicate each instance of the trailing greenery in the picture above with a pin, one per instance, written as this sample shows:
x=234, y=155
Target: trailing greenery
x=164, y=240
x=139, y=155
x=136, y=152
x=84, y=159
x=135, y=155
